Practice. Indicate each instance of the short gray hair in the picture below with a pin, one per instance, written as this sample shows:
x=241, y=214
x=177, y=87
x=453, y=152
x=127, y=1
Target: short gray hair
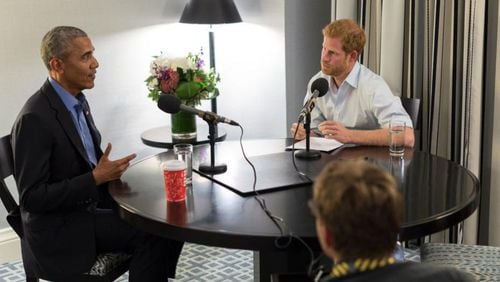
x=57, y=41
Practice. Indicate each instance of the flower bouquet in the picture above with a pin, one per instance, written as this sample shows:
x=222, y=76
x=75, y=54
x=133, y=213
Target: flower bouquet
x=185, y=78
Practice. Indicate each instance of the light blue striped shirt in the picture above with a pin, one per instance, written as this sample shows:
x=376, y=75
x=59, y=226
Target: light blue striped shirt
x=362, y=101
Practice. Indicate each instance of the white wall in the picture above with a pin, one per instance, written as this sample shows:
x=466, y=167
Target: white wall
x=126, y=33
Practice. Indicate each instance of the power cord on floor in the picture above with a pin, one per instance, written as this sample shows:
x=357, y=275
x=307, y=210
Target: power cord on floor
x=314, y=270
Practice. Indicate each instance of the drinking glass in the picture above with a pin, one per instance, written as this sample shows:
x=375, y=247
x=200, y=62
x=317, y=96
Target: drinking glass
x=184, y=152
x=397, y=138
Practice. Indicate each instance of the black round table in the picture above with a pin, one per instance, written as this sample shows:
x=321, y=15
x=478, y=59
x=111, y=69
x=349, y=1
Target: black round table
x=161, y=137
x=438, y=194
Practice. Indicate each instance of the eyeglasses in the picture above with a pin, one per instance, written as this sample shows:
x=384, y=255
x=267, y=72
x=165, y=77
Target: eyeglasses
x=312, y=207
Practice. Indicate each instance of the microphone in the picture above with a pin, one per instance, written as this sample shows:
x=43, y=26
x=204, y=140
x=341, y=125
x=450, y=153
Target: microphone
x=319, y=87
x=169, y=103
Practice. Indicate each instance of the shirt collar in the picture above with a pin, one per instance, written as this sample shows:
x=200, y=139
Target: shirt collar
x=69, y=100
x=353, y=77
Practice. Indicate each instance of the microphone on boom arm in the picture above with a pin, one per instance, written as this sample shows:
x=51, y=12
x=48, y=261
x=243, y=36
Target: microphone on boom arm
x=171, y=104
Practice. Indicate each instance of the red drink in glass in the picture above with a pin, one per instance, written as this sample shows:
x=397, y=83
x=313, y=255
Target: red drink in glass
x=174, y=174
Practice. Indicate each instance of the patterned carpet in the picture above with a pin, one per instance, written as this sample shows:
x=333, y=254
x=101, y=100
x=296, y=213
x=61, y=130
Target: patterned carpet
x=197, y=263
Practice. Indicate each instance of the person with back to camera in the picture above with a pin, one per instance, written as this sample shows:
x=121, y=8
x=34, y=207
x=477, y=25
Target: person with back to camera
x=62, y=174
x=359, y=104
x=358, y=212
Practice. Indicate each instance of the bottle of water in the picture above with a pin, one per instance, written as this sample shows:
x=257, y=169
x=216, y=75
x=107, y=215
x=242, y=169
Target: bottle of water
x=399, y=253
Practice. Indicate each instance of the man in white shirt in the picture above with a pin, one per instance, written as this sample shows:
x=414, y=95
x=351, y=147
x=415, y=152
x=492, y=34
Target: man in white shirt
x=359, y=105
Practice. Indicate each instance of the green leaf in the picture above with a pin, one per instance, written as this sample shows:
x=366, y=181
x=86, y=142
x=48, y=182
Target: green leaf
x=215, y=93
x=187, y=90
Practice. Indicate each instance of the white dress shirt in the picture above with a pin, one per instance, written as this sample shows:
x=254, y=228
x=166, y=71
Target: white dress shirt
x=363, y=101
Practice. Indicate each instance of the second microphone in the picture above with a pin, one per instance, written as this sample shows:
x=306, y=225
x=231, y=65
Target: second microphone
x=171, y=104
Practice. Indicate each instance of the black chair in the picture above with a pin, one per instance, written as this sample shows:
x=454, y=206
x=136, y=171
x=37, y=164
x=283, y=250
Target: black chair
x=412, y=107
x=108, y=266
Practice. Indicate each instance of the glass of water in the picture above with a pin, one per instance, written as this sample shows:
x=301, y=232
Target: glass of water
x=397, y=130
x=184, y=152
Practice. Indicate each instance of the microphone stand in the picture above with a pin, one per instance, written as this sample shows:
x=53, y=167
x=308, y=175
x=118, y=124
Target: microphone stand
x=308, y=154
x=212, y=168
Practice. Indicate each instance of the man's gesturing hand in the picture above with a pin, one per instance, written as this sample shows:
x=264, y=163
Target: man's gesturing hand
x=336, y=130
x=107, y=170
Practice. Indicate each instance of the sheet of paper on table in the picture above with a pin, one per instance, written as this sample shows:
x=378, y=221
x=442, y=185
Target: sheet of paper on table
x=318, y=144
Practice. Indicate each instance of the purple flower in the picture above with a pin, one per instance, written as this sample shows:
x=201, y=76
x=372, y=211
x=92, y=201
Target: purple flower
x=200, y=63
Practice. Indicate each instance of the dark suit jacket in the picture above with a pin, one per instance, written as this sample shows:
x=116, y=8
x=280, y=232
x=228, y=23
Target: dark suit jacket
x=56, y=186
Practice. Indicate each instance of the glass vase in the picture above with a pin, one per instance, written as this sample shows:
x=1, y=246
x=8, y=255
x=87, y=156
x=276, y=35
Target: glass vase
x=183, y=126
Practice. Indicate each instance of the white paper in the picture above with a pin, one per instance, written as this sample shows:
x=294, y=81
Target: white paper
x=318, y=144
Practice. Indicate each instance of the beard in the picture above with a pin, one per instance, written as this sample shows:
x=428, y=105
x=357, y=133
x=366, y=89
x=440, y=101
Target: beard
x=335, y=69
x=332, y=70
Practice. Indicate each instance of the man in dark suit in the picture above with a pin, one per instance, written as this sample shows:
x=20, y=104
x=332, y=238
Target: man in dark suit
x=358, y=210
x=62, y=175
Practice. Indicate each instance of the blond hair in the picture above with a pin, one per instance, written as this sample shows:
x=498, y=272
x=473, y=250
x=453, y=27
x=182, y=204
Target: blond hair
x=350, y=33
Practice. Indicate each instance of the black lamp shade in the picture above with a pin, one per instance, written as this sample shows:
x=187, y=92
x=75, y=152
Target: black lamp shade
x=210, y=12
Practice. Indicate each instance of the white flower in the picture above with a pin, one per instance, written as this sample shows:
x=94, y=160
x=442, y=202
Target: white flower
x=191, y=64
x=152, y=68
x=179, y=63
x=153, y=83
x=162, y=61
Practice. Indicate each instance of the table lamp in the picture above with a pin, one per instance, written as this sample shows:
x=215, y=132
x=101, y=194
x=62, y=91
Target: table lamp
x=210, y=12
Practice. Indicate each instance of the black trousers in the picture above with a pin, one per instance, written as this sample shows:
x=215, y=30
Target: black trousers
x=153, y=258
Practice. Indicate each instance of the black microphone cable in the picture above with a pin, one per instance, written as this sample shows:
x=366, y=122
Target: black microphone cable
x=301, y=173
x=315, y=269
x=286, y=234
x=262, y=202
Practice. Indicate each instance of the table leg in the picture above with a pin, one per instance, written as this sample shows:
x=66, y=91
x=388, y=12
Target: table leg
x=453, y=233
x=267, y=263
